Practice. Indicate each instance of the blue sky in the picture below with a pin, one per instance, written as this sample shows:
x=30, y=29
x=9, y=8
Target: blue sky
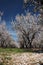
x=11, y=8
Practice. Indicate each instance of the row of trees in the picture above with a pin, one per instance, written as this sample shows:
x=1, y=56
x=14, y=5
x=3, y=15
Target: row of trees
x=28, y=27
x=5, y=37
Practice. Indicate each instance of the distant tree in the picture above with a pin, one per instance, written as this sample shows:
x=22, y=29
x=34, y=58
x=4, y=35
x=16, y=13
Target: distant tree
x=5, y=38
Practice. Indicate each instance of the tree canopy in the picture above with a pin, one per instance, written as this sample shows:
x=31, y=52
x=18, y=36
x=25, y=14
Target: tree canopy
x=38, y=4
x=26, y=27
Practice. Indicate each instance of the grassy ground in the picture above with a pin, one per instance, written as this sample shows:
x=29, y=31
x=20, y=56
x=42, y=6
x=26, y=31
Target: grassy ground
x=14, y=50
x=15, y=56
x=5, y=54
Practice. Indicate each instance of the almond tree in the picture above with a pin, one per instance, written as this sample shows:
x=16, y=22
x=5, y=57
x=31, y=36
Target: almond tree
x=26, y=27
x=5, y=38
x=38, y=6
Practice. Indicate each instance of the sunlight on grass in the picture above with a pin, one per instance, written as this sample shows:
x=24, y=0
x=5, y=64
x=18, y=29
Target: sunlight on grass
x=14, y=50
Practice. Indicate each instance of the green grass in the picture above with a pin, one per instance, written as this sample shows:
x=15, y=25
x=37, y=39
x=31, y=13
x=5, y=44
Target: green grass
x=14, y=50
x=1, y=64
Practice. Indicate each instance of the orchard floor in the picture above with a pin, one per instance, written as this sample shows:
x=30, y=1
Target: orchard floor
x=9, y=56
